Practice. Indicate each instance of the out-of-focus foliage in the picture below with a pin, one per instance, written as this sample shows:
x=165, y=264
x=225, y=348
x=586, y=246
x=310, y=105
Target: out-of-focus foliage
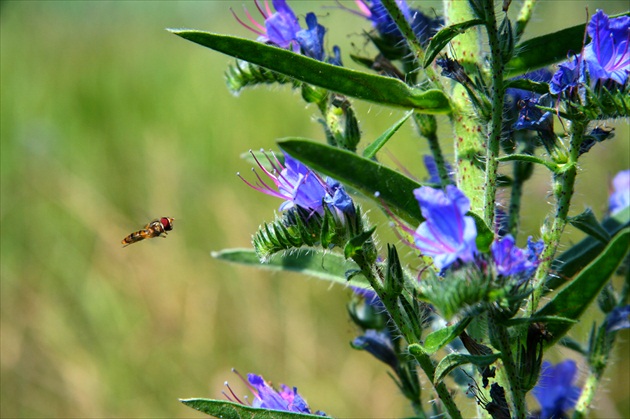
x=109, y=121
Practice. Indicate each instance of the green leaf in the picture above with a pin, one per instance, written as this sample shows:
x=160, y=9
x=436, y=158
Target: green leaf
x=317, y=263
x=383, y=90
x=442, y=337
x=230, y=410
x=355, y=244
x=444, y=36
x=526, y=84
x=485, y=236
x=374, y=147
x=577, y=257
x=452, y=361
x=364, y=175
x=529, y=159
x=547, y=49
x=575, y=298
x=587, y=222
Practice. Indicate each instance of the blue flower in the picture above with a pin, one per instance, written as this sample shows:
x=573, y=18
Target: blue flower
x=266, y=397
x=513, y=261
x=379, y=345
x=300, y=186
x=620, y=197
x=311, y=40
x=555, y=391
x=280, y=27
x=423, y=26
x=448, y=234
x=608, y=54
x=533, y=118
x=618, y=318
x=434, y=176
x=567, y=76
x=514, y=96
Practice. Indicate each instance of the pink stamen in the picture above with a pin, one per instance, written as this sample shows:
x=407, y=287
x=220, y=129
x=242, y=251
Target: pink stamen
x=251, y=19
x=246, y=25
x=269, y=12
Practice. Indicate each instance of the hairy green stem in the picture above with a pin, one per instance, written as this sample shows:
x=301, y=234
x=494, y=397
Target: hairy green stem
x=563, y=188
x=523, y=17
x=494, y=135
x=429, y=369
x=427, y=128
x=469, y=135
x=502, y=340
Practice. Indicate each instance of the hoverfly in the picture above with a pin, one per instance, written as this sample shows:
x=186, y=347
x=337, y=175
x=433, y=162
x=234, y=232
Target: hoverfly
x=155, y=228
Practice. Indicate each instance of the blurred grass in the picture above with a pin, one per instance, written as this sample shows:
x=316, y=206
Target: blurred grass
x=109, y=121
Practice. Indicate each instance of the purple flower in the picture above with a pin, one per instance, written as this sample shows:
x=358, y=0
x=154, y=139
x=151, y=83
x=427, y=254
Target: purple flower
x=434, y=176
x=555, y=391
x=280, y=27
x=266, y=397
x=300, y=186
x=423, y=26
x=618, y=318
x=608, y=55
x=513, y=261
x=379, y=345
x=567, y=76
x=311, y=40
x=533, y=118
x=620, y=197
x=447, y=234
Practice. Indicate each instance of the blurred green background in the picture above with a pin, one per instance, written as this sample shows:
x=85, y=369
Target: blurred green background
x=109, y=121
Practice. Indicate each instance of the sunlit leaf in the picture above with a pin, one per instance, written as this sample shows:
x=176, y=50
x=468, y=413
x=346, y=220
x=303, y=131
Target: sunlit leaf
x=442, y=337
x=574, y=299
x=444, y=36
x=373, y=148
x=386, y=91
x=328, y=266
x=230, y=410
x=364, y=175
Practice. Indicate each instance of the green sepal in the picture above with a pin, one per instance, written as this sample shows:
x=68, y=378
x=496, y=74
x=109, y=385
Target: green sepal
x=587, y=223
x=485, y=236
x=547, y=49
x=364, y=175
x=506, y=40
x=320, y=264
x=442, y=337
x=229, y=410
x=452, y=361
x=394, y=279
x=371, y=150
x=575, y=298
x=444, y=36
x=378, y=89
x=242, y=74
x=356, y=245
x=577, y=257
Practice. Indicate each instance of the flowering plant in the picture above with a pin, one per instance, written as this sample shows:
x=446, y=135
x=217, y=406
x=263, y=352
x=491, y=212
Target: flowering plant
x=480, y=309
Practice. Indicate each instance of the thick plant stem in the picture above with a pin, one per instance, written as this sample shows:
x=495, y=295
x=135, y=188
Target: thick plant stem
x=494, y=134
x=563, y=188
x=523, y=17
x=469, y=135
x=502, y=340
x=429, y=369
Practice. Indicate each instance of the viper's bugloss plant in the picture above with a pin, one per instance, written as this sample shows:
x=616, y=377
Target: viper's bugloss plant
x=464, y=300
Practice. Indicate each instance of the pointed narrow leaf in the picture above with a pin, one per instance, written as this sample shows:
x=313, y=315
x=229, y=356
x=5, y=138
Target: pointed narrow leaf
x=230, y=410
x=452, y=361
x=364, y=175
x=577, y=257
x=386, y=91
x=440, y=338
x=444, y=36
x=587, y=222
x=374, y=147
x=317, y=263
x=575, y=298
x=526, y=84
x=547, y=49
